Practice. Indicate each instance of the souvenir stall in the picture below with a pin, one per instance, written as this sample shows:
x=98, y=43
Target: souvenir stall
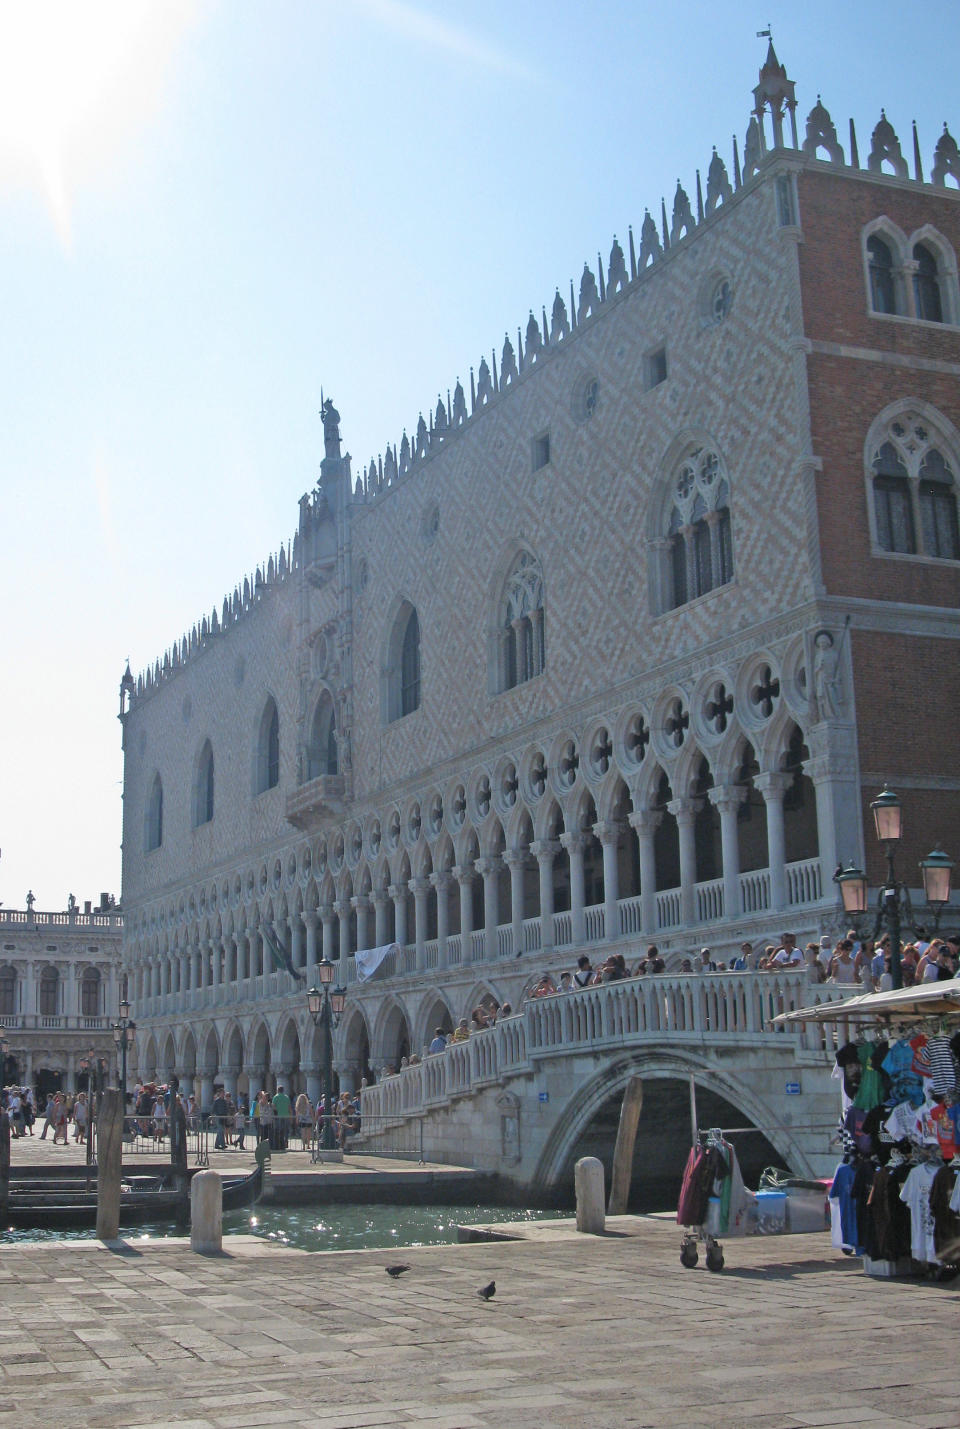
x=895, y=1196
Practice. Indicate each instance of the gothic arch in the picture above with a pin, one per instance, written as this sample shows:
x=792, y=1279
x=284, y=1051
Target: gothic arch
x=323, y=755
x=516, y=634
x=400, y=662
x=266, y=747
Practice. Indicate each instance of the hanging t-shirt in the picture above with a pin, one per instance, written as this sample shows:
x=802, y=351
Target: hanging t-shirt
x=943, y=1069
x=902, y=1123
x=841, y=1192
x=946, y=1222
x=916, y=1196
x=905, y=1083
x=870, y=1090
x=921, y=1055
x=946, y=1129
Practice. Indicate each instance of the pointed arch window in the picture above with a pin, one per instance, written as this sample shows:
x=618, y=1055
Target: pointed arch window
x=880, y=268
x=400, y=672
x=522, y=637
x=268, y=749
x=203, y=788
x=153, y=829
x=699, y=533
x=914, y=488
x=410, y=666
x=926, y=285
x=322, y=754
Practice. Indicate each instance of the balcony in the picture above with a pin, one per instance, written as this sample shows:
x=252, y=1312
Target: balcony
x=315, y=800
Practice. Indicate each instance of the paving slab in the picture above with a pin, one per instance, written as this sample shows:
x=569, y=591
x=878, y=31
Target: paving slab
x=606, y=1330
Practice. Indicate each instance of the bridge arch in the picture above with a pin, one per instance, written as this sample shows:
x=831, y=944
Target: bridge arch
x=659, y=1066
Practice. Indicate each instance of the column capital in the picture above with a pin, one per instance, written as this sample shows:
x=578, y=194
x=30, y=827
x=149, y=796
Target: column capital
x=441, y=879
x=684, y=810
x=359, y=900
x=574, y=842
x=608, y=832
x=310, y=917
x=545, y=850
x=514, y=857
x=341, y=906
x=397, y=891
x=419, y=885
x=380, y=897
x=727, y=797
x=773, y=784
x=325, y=911
x=645, y=821
x=486, y=866
x=464, y=872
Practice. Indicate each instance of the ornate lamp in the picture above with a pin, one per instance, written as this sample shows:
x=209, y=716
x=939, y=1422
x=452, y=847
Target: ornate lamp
x=887, y=815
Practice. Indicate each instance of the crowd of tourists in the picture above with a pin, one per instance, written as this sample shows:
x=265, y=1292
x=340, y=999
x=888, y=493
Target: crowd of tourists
x=275, y=1119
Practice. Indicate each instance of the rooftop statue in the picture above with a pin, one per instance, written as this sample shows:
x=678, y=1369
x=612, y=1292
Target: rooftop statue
x=331, y=431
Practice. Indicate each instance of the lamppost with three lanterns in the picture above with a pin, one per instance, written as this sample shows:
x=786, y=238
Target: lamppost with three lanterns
x=124, y=1032
x=893, y=901
x=325, y=1005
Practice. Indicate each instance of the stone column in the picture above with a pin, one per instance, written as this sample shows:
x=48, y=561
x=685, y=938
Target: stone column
x=544, y=851
x=314, y=1075
x=380, y=901
x=728, y=798
x=420, y=887
x=228, y=1075
x=488, y=868
x=310, y=918
x=515, y=858
x=609, y=836
x=216, y=947
x=341, y=907
x=295, y=924
x=520, y=646
x=398, y=893
x=256, y=1076
x=574, y=844
x=464, y=874
x=206, y=1089
x=646, y=822
x=441, y=883
x=685, y=812
x=362, y=905
x=327, y=921
x=348, y=1075
x=773, y=786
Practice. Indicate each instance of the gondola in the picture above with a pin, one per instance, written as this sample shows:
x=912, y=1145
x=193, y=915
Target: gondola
x=64, y=1202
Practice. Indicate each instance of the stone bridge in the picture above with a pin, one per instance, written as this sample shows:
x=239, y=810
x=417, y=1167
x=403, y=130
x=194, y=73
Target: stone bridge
x=525, y=1097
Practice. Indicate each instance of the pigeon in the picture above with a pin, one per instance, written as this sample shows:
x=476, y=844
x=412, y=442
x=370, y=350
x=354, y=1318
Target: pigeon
x=488, y=1291
x=396, y=1270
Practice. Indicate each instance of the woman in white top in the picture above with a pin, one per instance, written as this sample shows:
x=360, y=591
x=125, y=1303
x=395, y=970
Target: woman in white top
x=842, y=969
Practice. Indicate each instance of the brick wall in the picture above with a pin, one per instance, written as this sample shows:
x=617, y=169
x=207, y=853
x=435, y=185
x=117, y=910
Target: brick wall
x=908, y=707
x=848, y=392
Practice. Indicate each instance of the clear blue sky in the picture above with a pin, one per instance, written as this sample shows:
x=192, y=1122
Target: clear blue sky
x=207, y=210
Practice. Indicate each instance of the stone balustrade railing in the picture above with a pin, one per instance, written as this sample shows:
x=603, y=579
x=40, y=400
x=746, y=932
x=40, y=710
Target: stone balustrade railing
x=711, y=1007
x=21, y=918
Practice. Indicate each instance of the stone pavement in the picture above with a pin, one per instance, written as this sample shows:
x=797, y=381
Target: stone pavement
x=610, y=1333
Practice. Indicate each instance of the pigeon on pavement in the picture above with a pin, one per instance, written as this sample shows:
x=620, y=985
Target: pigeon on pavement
x=488, y=1291
x=395, y=1270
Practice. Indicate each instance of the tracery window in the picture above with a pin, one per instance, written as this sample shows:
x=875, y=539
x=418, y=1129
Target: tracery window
x=914, y=487
x=880, y=268
x=523, y=641
x=926, y=285
x=699, y=531
x=410, y=666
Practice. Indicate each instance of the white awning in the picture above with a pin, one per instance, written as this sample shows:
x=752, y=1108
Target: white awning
x=930, y=999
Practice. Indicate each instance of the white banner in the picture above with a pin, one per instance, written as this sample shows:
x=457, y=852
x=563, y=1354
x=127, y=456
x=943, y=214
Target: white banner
x=369, y=959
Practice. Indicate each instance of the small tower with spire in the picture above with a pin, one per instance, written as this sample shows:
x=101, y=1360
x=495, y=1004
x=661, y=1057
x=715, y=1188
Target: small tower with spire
x=776, y=93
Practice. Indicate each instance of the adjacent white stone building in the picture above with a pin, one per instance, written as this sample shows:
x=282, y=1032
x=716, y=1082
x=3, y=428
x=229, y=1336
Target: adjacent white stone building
x=60, y=989
x=587, y=662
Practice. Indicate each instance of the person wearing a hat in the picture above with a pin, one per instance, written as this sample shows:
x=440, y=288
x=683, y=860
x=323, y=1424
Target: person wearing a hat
x=826, y=950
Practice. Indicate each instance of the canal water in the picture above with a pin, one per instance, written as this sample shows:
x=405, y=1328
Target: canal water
x=345, y=1227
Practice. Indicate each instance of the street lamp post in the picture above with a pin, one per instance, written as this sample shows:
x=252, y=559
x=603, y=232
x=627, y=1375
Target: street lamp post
x=124, y=1032
x=893, y=902
x=325, y=1005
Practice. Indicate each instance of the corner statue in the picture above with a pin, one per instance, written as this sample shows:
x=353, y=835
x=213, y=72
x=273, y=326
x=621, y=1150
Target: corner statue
x=331, y=430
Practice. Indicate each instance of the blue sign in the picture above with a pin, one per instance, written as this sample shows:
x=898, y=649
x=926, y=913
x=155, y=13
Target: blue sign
x=545, y=1096
x=793, y=1089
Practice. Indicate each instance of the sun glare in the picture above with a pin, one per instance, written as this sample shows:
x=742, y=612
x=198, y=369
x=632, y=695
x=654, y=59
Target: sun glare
x=76, y=83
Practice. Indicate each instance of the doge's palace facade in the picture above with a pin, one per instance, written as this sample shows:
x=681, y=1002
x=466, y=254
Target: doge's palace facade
x=589, y=660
